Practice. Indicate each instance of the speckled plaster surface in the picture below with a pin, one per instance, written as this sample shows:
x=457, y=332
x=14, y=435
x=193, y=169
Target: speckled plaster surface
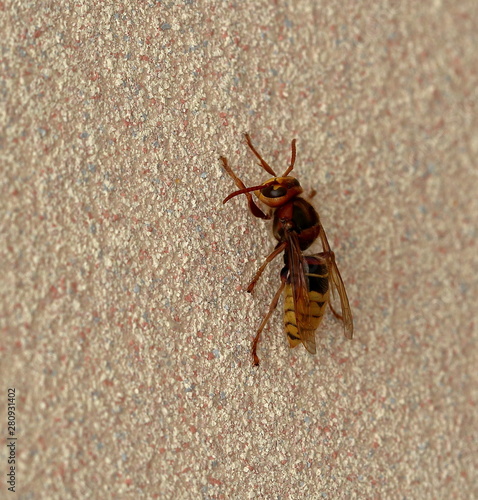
x=126, y=327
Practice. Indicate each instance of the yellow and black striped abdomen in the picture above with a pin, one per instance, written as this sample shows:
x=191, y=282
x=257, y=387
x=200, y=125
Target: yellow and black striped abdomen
x=318, y=281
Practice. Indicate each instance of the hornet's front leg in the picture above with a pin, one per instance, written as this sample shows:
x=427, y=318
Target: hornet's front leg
x=253, y=208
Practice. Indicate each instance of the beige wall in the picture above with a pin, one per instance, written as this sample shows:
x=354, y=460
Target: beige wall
x=126, y=327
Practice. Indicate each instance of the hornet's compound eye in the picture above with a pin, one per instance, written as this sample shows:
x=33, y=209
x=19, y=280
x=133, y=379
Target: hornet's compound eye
x=274, y=191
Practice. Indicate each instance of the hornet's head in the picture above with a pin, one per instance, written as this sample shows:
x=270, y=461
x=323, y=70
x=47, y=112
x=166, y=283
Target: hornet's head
x=279, y=190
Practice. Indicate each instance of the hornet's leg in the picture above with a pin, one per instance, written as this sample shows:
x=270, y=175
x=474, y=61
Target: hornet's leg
x=271, y=257
x=335, y=313
x=254, y=209
x=273, y=305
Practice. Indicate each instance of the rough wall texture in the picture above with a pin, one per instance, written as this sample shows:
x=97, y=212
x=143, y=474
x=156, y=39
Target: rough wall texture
x=125, y=324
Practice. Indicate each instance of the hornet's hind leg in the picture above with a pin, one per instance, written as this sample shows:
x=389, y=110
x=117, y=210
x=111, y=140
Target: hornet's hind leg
x=273, y=305
x=335, y=313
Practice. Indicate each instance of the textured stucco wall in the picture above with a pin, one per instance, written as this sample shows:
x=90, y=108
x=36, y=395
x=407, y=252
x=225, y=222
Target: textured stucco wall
x=125, y=323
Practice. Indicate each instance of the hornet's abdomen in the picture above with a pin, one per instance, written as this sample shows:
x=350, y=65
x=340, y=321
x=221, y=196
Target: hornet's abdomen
x=318, y=282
